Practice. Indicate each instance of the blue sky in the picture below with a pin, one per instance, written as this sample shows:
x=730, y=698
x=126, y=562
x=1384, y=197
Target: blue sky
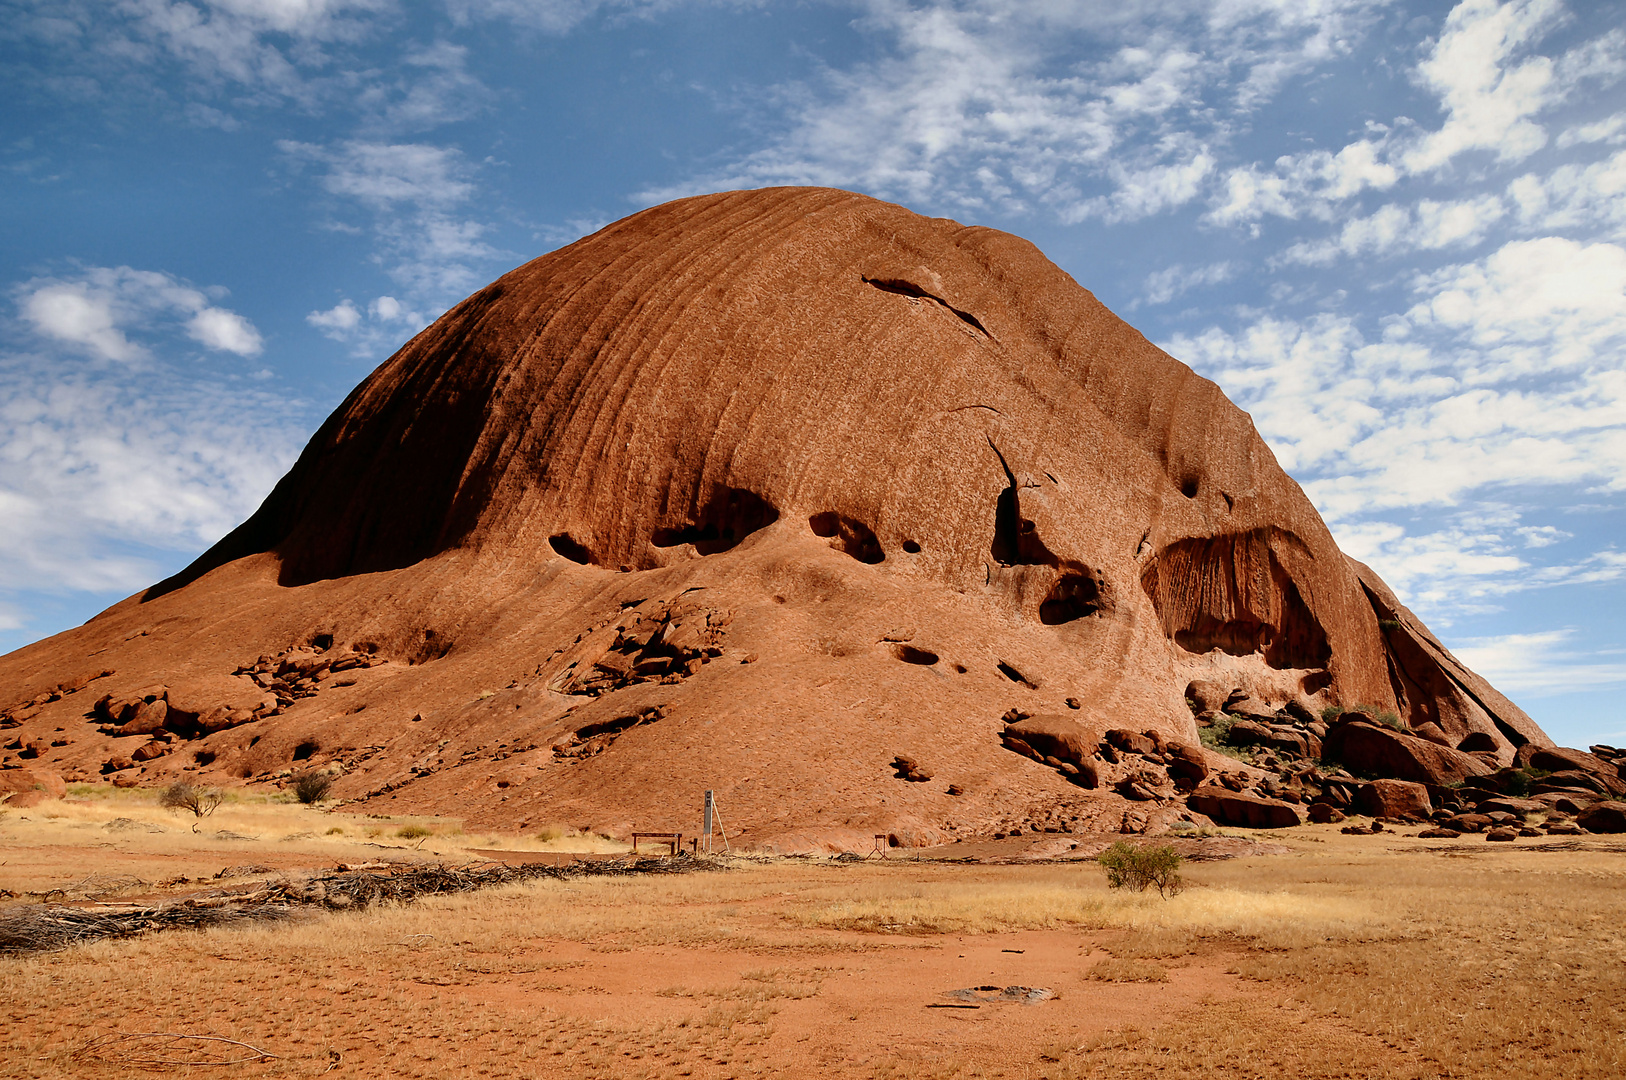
x=1394, y=232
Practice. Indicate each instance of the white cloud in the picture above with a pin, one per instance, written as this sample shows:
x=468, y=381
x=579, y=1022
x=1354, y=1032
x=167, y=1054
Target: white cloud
x=1488, y=100
x=1491, y=93
x=336, y=320
x=385, y=324
x=1395, y=228
x=232, y=41
x=1506, y=371
x=98, y=308
x=549, y=16
x=1540, y=664
x=1505, y=376
x=433, y=87
x=225, y=331
x=1531, y=307
x=66, y=312
x=1304, y=184
x=1575, y=196
x=1164, y=285
x=1611, y=129
x=1139, y=193
x=383, y=175
x=97, y=462
x=414, y=191
x=1088, y=109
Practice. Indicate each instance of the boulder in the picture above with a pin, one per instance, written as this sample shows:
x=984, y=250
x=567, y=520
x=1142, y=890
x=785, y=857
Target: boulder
x=1247, y=733
x=150, y=751
x=1511, y=805
x=1207, y=696
x=15, y=782
x=1252, y=709
x=1321, y=813
x=1288, y=741
x=1555, y=759
x=907, y=768
x=1576, y=780
x=1565, y=802
x=200, y=704
x=1394, y=798
x=1131, y=743
x=1250, y=811
x=1468, y=822
x=1478, y=742
x=1564, y=828
x=1434, y=734
x=1186, y=762
x=1604, y=817
x=1502, y=834
x=119, y=708
x=149, y=717
x=1438, y=833
x=1375, y=750
x=1052, y=735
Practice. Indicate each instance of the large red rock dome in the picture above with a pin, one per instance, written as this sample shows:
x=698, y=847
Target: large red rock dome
x=758, y=491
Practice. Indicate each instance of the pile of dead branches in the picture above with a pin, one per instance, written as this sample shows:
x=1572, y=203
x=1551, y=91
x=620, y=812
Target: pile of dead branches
x=42, y=927
x=48, y=926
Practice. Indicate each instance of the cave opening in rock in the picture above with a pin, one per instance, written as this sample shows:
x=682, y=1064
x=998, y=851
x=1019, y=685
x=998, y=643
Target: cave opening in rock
x=726, y=518
x=1074, y=596
x=566, y=545
x=848, y=535
x=911, y=655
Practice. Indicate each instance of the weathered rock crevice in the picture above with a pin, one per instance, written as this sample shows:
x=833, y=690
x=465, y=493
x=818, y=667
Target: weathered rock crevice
x=915, y=292
x=1231, y=592
x=726, y=518
x=849, y=536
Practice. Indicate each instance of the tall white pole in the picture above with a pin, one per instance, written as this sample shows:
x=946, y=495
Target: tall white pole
x=705, y=826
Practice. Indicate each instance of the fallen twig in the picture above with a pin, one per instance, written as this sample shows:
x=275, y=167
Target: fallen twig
x=115, y=1048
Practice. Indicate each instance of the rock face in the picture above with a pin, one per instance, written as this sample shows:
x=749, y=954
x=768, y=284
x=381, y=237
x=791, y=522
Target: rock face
x=746, y=492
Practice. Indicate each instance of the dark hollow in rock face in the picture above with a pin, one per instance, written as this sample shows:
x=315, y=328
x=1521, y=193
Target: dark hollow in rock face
x=718, y=459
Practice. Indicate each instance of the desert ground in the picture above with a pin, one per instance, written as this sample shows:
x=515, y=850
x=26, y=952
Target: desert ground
x=1297, y=952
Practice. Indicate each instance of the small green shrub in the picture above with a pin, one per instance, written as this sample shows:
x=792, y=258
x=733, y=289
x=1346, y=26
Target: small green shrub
x=312, y=787
x=1138, y=868
x=1388, y=624
x=413, y=832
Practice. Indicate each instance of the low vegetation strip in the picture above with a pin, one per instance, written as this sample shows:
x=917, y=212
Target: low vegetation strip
x=43, y=927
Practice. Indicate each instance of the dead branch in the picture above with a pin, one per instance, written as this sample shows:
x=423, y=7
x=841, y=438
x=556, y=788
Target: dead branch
x=120, y=1048
x=48, y=926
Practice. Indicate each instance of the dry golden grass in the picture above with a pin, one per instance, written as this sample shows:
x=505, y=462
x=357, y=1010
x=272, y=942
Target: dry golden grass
x=157, y=844
x=1366, y=958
